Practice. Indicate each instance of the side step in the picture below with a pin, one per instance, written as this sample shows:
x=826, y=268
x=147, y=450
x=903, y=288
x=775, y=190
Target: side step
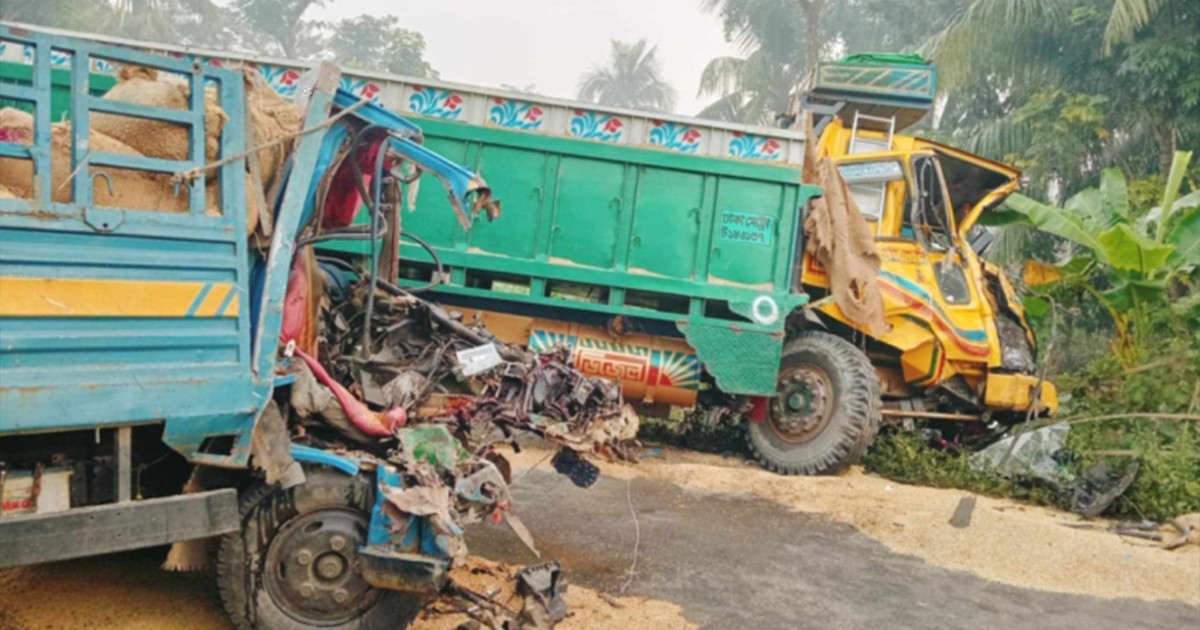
x=100, y=529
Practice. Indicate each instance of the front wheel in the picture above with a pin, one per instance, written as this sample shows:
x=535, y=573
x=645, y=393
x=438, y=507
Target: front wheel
x=293, y=564
x=826, y=410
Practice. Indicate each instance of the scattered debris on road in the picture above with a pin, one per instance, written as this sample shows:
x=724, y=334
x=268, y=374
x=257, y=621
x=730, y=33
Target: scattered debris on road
x=1040, y=455
x=1178, y=532
x=962, y=513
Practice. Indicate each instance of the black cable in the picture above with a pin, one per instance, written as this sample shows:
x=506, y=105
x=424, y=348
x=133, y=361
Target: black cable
x=375, y=213
x=439, y=271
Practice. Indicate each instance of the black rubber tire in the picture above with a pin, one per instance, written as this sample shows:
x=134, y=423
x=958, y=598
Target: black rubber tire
x=856, y=410
x=264, y=511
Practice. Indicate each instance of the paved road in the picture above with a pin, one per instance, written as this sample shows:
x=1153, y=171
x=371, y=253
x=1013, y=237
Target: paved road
x=734, y=561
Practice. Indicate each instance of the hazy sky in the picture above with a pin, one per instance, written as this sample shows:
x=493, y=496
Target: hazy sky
x=550, y=43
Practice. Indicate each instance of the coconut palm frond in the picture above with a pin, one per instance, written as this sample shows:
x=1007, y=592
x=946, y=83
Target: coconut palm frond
x=1127, y=18
x=633, y=78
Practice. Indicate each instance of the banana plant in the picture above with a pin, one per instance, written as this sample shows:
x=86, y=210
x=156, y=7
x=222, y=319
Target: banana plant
x=1138, y=256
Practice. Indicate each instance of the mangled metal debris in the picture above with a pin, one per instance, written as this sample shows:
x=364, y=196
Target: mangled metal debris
x=1041, y=454
x=426, y=398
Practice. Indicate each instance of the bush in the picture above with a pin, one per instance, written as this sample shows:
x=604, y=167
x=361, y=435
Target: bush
x=725, y=438
x=1168, y=451
x=909, y=458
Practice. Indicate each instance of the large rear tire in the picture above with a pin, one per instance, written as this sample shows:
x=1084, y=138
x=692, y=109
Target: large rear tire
x=826, y=411
x=293, y=565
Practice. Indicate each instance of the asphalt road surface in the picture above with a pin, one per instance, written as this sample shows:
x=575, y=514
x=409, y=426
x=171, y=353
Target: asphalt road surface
x=734, y=561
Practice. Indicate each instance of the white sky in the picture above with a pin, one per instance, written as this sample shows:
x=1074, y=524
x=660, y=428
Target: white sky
x=550, y=43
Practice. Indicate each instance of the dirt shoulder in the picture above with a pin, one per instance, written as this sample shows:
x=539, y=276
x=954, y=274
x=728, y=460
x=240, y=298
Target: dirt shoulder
x=129, y=592
x=1006, y=541
x=587, y=609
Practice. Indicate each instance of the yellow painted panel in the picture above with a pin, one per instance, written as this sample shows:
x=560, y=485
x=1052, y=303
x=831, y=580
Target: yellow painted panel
x=212, y=301
x=1011, y=391
x=94, y=297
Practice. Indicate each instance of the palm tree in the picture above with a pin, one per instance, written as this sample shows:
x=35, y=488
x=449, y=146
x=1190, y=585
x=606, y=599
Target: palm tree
x=756, y=86
x=751, y=90
x=1023, y=43
x=633, y=78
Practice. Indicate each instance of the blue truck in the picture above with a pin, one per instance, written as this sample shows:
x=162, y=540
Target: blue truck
x=140, y=350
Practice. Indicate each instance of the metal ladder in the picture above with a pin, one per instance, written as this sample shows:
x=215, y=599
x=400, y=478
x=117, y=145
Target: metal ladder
x=871, y=143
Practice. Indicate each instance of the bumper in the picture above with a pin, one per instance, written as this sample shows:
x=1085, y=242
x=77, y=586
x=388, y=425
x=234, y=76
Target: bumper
x=113, y=527
x=1015, y=391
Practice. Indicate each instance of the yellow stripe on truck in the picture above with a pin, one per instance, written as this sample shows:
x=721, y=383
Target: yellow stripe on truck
x=94, y=297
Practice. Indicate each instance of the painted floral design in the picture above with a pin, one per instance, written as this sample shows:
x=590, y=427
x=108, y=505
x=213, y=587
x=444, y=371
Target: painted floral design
x=675, y=136
x=361, y=87
x=748, y=145
x=514, y=114
x=596, y=126
x=280, y=78
x=57, y=57
x=430, y=101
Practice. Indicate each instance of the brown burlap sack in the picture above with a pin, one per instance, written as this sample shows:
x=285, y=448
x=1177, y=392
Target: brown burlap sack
x=135, y=190
x=840, y=240
x=5, y=193
x=155, y=138
x=271, y=117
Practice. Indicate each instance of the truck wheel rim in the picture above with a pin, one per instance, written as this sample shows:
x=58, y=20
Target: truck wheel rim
x=310, y=570
x=803, y=404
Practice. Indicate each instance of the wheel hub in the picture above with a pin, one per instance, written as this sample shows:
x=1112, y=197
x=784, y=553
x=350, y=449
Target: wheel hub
x=309, y=570
x=803, y=405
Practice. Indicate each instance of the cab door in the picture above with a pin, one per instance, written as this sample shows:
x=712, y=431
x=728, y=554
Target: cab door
x=929, y=220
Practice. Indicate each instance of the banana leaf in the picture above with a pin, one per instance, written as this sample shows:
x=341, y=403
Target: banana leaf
x=1057, y=221
x=1126, y=249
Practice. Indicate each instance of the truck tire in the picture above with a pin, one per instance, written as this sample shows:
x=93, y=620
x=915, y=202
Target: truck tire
x=826, y=411
x=292, y=564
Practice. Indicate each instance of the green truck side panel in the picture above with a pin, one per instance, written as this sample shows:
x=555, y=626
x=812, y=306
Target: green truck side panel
x=60, y=95
x=633, y=224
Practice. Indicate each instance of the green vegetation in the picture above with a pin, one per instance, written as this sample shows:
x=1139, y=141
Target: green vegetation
x=277, y=28
x=1134, y=260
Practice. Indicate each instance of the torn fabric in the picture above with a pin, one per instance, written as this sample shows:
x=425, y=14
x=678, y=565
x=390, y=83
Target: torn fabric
x=838, y=237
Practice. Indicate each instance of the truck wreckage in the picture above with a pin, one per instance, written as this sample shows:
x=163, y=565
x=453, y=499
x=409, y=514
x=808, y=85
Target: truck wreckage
x=400, y=386
x=207, y=338
x=432, y=441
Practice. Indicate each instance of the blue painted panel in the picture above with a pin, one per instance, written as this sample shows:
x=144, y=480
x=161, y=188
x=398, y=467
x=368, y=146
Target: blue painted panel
x=84, y=371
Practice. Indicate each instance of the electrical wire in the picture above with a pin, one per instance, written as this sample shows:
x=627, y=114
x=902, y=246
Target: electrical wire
x=439, y=271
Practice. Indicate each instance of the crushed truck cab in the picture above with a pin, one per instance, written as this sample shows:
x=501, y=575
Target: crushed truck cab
x=956, y=328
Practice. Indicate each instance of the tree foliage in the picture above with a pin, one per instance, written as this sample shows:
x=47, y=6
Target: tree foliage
x=282, y=21
x=1065, y=88
x=633, y=78
x=266, y=27
x=379, y=44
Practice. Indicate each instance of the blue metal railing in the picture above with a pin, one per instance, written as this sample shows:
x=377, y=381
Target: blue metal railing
x=82, y=53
